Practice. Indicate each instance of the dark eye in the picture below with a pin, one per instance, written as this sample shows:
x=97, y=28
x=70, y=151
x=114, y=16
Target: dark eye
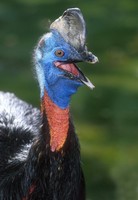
x=59, y=53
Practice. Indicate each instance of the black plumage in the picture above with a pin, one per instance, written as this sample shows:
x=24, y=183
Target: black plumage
x=26, y=160
x=39, y=154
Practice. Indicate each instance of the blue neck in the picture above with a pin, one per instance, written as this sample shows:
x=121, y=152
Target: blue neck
x=59, y=88
x=51, y=78
x=60, y=92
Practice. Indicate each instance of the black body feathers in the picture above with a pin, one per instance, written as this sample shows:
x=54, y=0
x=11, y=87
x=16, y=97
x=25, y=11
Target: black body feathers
x=28, y=169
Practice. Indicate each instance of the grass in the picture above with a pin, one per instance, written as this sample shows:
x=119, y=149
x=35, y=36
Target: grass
x=105, y=118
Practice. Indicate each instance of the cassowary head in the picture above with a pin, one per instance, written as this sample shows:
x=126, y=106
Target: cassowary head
x=56, y=55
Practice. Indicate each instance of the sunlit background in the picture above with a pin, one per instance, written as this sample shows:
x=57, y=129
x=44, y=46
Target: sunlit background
x=106, y=118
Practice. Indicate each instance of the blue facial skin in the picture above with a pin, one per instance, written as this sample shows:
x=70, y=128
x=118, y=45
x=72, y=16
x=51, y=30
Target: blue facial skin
x=51, y=78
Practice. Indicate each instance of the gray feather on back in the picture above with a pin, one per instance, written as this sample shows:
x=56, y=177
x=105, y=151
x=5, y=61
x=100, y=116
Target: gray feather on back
x=15, y=113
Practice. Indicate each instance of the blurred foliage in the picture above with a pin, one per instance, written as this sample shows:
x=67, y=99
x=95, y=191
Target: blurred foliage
x=107, y=117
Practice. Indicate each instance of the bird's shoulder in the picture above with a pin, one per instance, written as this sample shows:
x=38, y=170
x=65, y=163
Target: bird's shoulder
x=20, y=122
x=16, y=113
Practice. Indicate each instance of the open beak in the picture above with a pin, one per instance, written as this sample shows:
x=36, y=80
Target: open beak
x=72, y=28
x=71, y=71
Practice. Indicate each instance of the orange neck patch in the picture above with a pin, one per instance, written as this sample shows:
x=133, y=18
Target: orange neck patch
x=58, y=120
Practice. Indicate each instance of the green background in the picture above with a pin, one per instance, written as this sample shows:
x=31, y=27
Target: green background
x=106, y=118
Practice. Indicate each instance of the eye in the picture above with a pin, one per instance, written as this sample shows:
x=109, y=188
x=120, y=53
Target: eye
x=59, y=53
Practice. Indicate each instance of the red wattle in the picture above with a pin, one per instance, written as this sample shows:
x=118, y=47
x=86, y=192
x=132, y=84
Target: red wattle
x=58, y=120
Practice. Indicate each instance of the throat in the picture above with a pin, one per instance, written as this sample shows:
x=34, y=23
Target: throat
x=58, y=120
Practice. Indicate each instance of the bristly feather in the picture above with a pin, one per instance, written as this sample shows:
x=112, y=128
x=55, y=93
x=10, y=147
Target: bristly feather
x=54, y=176
x=40, y=152
x=19, y=124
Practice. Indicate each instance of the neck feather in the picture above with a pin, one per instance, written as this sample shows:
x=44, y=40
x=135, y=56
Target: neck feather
x=58, y=120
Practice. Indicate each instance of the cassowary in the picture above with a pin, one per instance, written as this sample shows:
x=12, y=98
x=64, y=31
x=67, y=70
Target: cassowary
x=39, y=150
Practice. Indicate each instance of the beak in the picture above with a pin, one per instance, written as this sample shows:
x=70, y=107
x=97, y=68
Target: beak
x=71, y=26
x=72, y=72
x=89, y=57
x=84, y=79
